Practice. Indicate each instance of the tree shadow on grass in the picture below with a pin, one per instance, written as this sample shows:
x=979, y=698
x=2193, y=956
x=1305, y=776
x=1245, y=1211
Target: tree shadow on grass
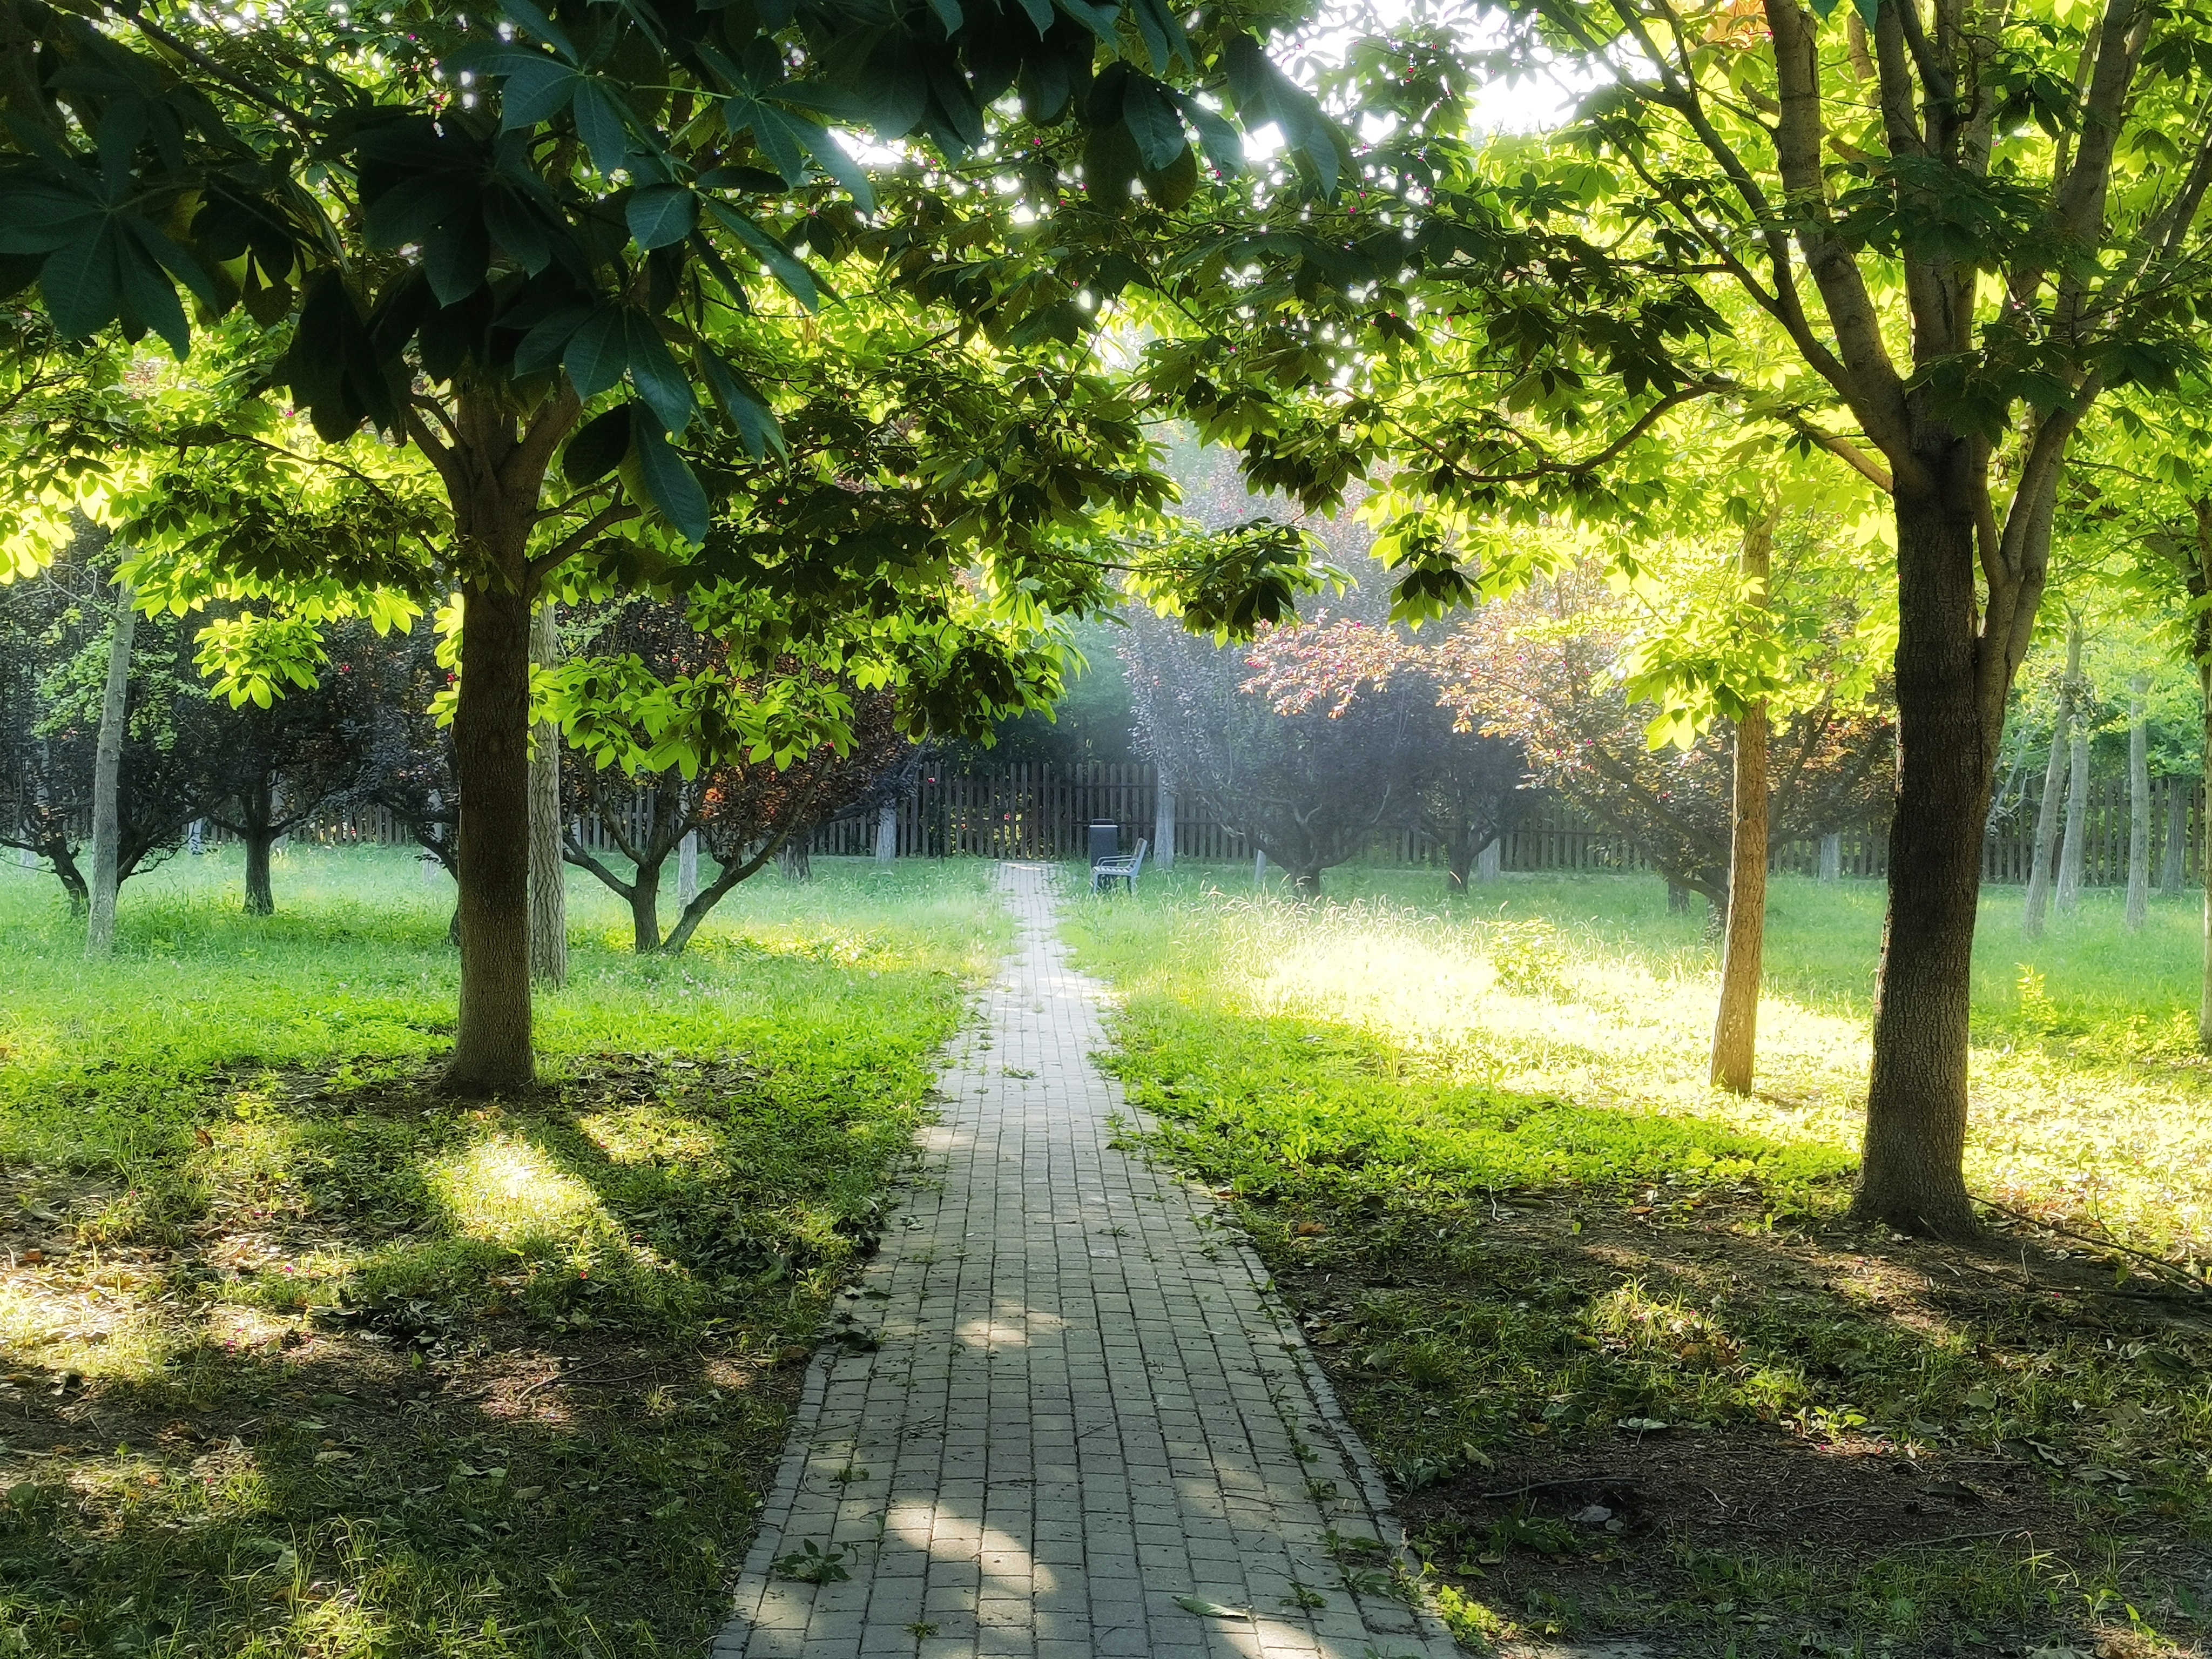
x=381, y=1373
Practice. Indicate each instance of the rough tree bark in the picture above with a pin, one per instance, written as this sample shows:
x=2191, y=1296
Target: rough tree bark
x=1164, y=825
x=2138, y=807
x=1735, y=1025
x=549, y=896
x=886, y=836
x=1491, y=861
x=1832, y=856
x=2054, y=783
x=108, y=779
x=1912, y=1166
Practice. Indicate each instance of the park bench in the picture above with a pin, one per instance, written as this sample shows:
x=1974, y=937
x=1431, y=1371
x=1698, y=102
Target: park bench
x=1104, y=872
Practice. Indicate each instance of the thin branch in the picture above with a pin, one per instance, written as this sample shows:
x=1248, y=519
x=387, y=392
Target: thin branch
x=1843, y=450
x=582, y=537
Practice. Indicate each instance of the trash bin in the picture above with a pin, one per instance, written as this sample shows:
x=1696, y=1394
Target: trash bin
x=1105, y=842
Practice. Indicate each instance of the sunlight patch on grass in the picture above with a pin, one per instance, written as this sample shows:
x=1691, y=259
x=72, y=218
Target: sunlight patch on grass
x=649, y=1134
x=2082, y=1106
x=504, y=1190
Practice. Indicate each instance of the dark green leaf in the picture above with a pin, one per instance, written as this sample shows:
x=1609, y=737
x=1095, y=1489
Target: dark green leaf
x=411, y=210
x=597, y=353
x=599, y=124
x=597, y=448
x=653, y=371
x=150, y=299
x=1153, y=123
x=1223, y=146
x=659, y=477
x=536, y=89
x=949, y=14
x=821, y=144
x=539, y=25
x=82, y=285
x=748, y=411
x=1039, y=14
x=772, y=130
x=520, y=233
x=894, y=89
x=544, y=345
x=659, y=215
x=790, y=272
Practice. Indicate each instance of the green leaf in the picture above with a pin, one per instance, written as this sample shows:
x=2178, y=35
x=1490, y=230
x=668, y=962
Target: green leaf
x=597, y=448
x=949, y=14
x=599, y=123
x=536, y=89
x=1163, y=33
x=150, y=299
x=1869, y=13
x=1039, y=14
x=1153, y=122
x=772, y=130
x=36, y=218
x=599, y=353
x=653, y=371
x=538, y=23
x=748, y=411
x=658, y=476
x=82, y=283
x=1224, y=147
x=831, y=156
x=542, y=346
x=786, y=268
x=659, y=215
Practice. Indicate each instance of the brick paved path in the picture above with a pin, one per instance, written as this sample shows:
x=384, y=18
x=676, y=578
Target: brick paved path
x=1083, y=1407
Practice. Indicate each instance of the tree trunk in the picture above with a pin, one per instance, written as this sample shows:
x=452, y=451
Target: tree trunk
x=256, y=812
x=1678, y=898
x=108, y=778
x=549, y=896
x=1306, y=883
x=645, y=908
x=2077, y=782
x=1735, y=1025
x=1832, y=856
x=491, y=752
x=2138, y=807
x=1163, y=826
x=1459, y=863
x=687, y=869
x=887, y=835
x=1911, y=1172
x=2172, y=872
x=2204, y=870
x=2054, y=779
x=793, y=859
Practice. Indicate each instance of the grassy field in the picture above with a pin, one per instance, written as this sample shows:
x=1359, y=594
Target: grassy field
x=1627, y=1366
x=302, y=1359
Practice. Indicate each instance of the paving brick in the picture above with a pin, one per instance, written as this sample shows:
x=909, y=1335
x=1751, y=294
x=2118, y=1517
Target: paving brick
x=1068, y=1422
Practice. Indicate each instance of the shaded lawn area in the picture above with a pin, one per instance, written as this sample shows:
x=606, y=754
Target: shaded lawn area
x=1623, y=1361
x=297, y=1357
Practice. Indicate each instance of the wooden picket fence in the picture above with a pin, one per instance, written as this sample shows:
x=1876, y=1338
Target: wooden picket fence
x=1041, y=812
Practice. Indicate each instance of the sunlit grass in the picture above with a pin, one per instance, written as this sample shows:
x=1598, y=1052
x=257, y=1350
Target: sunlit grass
x=2089, y=1096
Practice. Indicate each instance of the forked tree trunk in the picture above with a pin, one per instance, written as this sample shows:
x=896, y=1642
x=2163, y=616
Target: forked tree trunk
x=2054, y=787
x=1735, y=1025
x=645, y=907
x=1912, y=1171
x=2138, y=808
x=1459, y=863
x=108, y=779
x=549, y=896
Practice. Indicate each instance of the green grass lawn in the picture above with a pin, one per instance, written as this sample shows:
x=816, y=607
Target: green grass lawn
x=301, y=1358
x=1555, y=1275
